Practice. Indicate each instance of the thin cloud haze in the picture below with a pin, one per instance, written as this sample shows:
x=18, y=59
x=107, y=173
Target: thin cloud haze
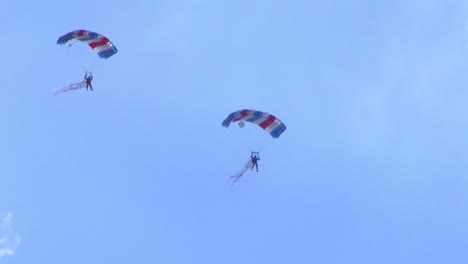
x=9, y=239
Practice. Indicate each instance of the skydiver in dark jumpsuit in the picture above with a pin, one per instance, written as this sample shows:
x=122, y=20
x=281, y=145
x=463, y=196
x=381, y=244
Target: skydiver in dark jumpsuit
x=254, y=159
x=88, y=80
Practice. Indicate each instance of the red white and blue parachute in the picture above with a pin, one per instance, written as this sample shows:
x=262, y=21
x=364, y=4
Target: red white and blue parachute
x=268, y=122
x=100, y=44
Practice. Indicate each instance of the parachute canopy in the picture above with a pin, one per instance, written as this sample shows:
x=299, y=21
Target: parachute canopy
x=100, y=44
x=268, y=122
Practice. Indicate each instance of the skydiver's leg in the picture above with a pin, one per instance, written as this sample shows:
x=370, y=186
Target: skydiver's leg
x=91, y=87
x=256, y=166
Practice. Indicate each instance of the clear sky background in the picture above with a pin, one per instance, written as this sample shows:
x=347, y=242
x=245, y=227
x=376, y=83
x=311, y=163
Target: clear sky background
x=371, y=169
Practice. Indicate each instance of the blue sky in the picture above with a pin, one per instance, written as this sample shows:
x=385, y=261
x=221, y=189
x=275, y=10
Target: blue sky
x=370, y=170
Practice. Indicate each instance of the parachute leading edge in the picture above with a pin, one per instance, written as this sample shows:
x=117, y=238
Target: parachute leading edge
x=269, y=123
x=100, y=44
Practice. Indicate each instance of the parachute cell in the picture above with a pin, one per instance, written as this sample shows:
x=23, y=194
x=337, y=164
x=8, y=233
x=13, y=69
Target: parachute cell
x=100, y=44
x=269, y=123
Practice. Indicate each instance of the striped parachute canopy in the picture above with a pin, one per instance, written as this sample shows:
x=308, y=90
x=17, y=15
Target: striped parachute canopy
x=100, y=44
x=268, y=122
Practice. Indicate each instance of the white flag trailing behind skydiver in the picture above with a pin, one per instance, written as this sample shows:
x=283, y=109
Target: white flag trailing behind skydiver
x=239, y=174
x=74, y=86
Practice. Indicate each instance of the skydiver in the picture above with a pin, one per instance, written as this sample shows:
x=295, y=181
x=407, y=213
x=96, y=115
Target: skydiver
x=254, y=159
x=88, y=80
